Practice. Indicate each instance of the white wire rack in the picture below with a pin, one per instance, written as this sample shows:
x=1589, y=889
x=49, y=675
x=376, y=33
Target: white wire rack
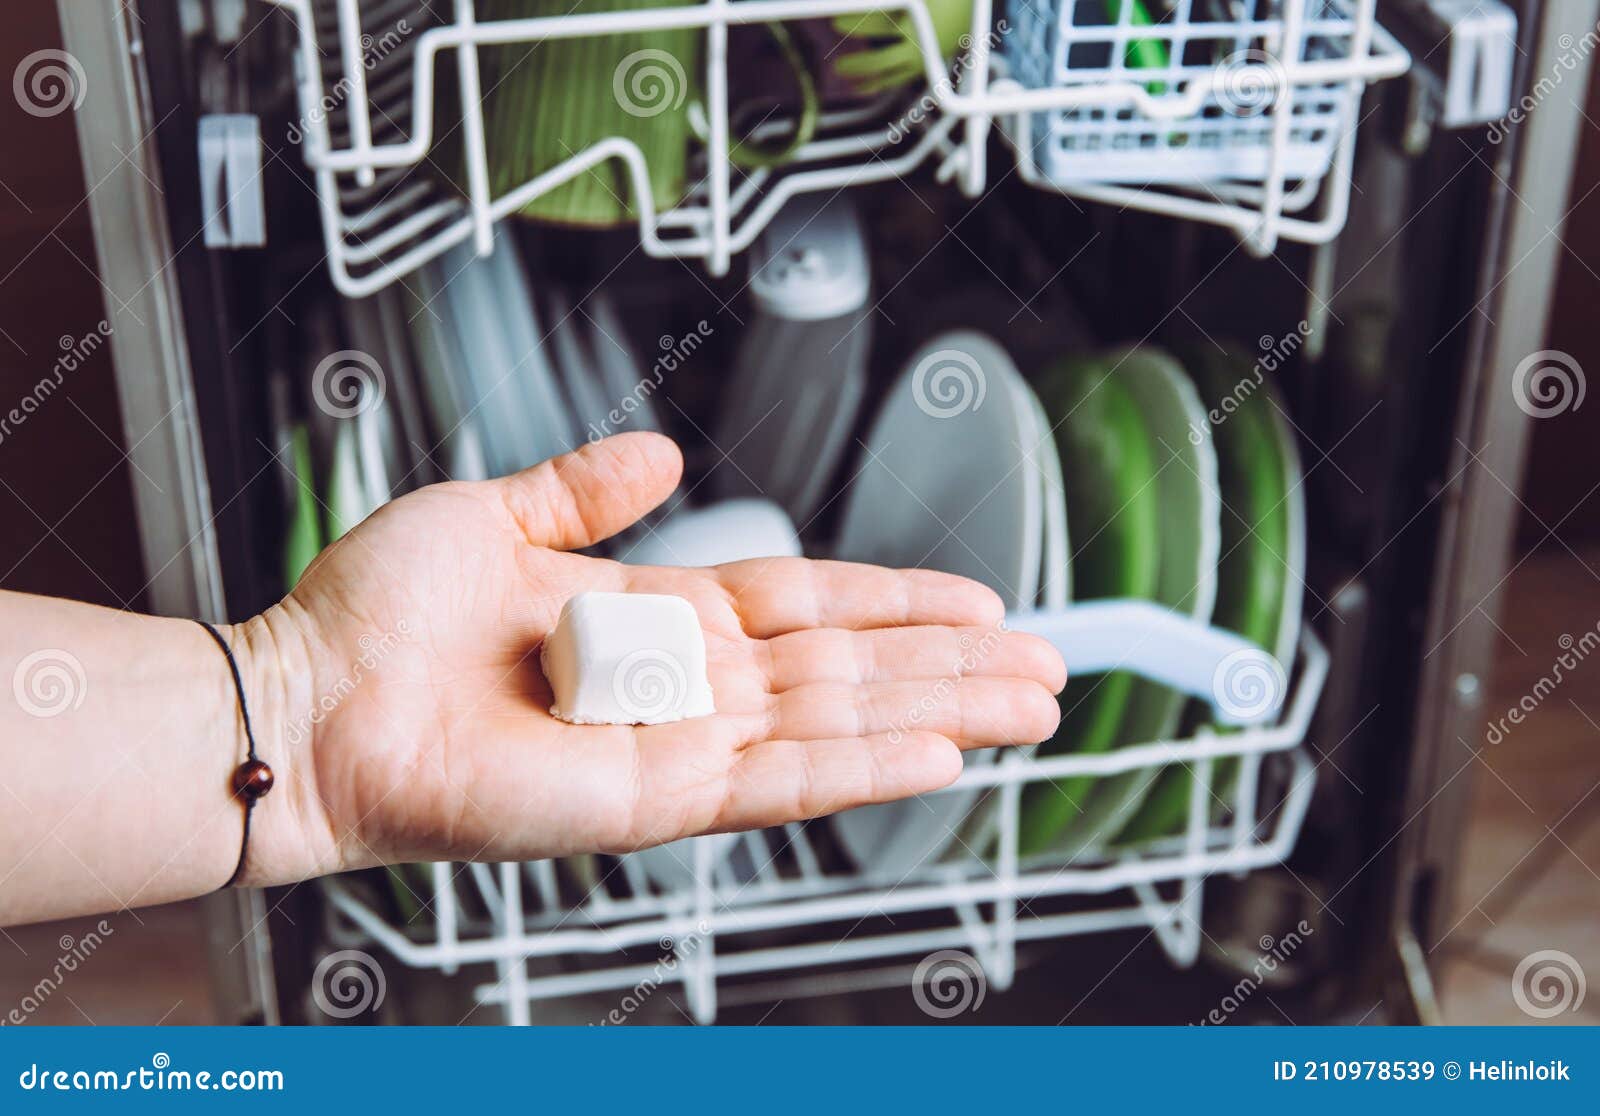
x=1246, y=118
x=1064, y=43
x=369, y=122
x=785, y=914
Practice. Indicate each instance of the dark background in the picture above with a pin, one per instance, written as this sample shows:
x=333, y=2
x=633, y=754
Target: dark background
x=66, y=512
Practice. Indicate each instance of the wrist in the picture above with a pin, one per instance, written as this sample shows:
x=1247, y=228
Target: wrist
x=290, y=838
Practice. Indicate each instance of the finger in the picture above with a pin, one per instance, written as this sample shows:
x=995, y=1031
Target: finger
x=789, y=780
x=583, y=497
x=778, y=595
x=898, y=654
x=977, y=711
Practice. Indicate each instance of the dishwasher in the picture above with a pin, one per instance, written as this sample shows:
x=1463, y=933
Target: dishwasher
x=1287, y=250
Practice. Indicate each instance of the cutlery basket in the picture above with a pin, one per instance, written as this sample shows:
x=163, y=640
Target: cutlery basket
x=774, y=909
x=1228, y=52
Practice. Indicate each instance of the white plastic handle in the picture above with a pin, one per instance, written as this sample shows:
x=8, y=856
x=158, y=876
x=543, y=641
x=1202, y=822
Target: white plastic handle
x=1242, y=683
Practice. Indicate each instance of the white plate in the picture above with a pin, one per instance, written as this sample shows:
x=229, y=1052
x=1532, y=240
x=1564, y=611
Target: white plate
x=510, y=389
x=547, y=428
x=620, y=370
x=575, y=368
x=470, y=321
x=444, y=385
x=944, y=486
x=404, y=391
x=348, y=499
x=1055, y=589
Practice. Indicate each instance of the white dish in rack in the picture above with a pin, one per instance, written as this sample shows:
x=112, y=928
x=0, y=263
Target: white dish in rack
x=948, y=482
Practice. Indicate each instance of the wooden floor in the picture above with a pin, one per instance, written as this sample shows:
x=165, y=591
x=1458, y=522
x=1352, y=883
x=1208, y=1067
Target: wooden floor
x=1531, y=880
x=1531, y=871
x=150, y=968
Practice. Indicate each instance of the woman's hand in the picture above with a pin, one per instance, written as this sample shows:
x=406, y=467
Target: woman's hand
x=399, y=699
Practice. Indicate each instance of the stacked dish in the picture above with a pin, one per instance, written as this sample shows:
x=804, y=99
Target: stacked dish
x=1182, y=493
x=1261, y=573
x=958, y=472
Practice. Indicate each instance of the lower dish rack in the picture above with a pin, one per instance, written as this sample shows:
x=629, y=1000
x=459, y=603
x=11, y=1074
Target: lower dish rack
x=784, y=915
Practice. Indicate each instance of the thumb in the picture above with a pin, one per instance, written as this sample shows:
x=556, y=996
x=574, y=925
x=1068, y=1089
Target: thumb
x=580, y=498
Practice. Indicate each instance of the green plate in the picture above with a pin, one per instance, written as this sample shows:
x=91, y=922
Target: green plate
x=1190, y=546
x=304, y=538
x=1253, y=583
x=1110, y=466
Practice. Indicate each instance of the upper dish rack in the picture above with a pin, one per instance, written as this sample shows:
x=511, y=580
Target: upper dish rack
x=1234, y=112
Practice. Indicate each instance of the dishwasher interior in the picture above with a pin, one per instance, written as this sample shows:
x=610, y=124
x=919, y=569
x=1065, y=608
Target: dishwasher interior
x=1198, y=277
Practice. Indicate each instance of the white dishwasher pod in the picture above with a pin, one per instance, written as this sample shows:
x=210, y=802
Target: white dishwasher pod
x=627, y=659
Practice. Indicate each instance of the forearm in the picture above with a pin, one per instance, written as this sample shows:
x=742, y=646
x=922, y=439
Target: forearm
x=119, y=736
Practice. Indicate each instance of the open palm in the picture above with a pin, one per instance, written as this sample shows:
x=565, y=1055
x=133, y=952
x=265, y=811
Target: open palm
x=420, y=726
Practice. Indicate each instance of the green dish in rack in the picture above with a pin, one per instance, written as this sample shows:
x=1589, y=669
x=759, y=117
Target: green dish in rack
x=1109, y=467
x=303, y=540
x=1258, y=470
x=1186, y=582
x=544, y=102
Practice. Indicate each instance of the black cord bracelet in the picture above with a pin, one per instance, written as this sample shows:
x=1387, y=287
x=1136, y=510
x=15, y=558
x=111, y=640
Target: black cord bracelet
x=252, y=779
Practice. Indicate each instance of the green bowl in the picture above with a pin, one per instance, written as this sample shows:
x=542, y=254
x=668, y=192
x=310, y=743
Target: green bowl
x=544, y=102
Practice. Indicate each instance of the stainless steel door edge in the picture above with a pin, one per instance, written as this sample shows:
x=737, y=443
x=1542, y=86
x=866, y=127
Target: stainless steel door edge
x=153, y=374
x=1492, y=432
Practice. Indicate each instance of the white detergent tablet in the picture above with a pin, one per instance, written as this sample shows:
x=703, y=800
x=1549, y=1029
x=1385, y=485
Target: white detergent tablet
x=627, y=659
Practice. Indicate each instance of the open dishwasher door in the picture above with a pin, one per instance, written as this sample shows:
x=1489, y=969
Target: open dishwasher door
x=227, y=265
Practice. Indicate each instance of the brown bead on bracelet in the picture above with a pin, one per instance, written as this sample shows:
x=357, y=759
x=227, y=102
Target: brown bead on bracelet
x=252, y=779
